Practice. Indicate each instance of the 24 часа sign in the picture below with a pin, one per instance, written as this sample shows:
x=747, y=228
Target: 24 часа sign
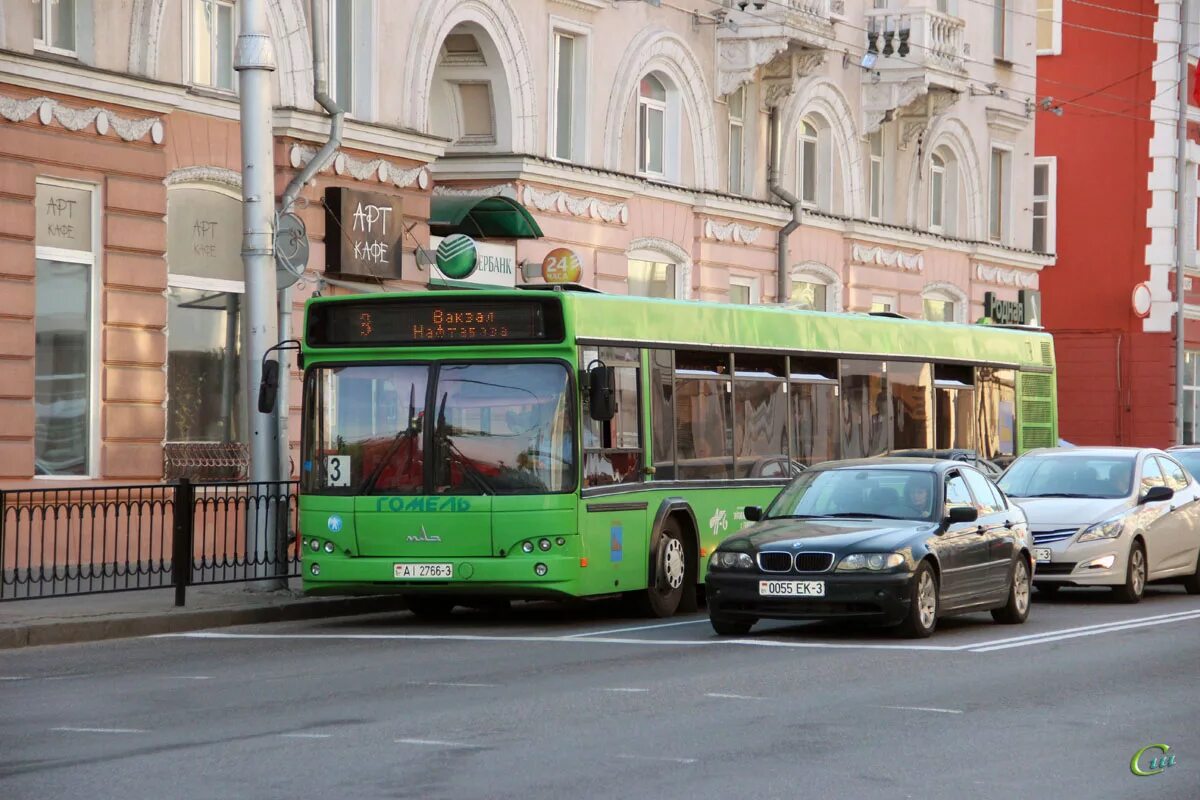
x=362, y=233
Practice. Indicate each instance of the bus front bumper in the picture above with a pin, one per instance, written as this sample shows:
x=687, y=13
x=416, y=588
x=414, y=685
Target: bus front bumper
x=516, y=578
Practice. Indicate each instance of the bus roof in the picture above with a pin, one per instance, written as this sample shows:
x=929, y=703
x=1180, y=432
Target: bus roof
x=596, y=318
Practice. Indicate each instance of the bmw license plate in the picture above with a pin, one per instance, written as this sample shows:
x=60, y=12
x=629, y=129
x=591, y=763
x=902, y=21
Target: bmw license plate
x=791, y=588
x=423, y=571
x=1042, y=554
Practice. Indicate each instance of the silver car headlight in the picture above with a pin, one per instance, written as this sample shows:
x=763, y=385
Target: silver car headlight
x=1108, y=529
x=875, y=562
x=724, y=559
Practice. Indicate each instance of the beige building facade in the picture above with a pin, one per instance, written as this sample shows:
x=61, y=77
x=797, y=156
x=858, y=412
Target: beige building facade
x=823, y=153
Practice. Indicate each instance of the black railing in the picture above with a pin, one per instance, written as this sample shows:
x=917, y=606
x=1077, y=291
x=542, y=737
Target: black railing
x=59, y=542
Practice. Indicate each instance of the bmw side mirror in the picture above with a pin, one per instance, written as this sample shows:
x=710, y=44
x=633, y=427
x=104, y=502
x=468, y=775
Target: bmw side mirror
x=752, y=513
x=602, y=402
x=1157, y=494
x=962, y=514
x=268, y=388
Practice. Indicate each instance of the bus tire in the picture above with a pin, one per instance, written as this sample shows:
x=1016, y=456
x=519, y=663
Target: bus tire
x=430, y=607
x=669, y=571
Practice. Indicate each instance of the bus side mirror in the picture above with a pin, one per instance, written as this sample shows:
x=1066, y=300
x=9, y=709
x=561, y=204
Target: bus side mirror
x=601, y=395
x=268, y=388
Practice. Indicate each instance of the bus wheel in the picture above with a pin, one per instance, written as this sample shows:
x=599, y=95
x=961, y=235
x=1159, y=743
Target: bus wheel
x=668, y=572
x=429, y=606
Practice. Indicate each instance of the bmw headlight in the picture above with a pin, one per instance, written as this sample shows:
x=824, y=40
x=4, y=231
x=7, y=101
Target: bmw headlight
x=1108, y=529
x=874, y=562
x=723, y=559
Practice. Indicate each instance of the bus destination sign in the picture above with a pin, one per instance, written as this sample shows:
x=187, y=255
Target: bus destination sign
x=384, y=324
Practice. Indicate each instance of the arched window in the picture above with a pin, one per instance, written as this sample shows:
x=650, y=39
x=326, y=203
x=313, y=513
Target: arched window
x=652, y=126
x=944, y=302
x=814, y=164
x=471, y=103
x=809, y=163
x=815, y=287
x=658, y=268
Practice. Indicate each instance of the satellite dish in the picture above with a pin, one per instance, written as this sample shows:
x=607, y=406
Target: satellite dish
x=291, y=249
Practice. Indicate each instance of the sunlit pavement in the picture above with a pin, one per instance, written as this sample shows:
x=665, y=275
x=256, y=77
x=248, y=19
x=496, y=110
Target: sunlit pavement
x=583, y=701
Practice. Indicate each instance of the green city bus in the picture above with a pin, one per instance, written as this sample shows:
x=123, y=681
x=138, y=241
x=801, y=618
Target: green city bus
x=466, y=447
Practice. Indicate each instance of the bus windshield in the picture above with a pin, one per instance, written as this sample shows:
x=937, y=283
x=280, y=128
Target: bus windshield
x=492, y=429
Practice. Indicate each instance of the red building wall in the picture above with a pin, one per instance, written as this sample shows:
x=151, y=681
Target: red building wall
x=1116, y=384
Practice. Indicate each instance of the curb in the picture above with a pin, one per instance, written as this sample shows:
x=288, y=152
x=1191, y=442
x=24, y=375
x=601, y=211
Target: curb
x=92, y=630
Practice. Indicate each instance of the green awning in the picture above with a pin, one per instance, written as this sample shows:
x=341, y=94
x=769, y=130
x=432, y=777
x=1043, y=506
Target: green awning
x=482, y=218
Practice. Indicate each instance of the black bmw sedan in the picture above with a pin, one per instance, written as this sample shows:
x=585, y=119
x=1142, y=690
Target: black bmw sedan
x=899, y=541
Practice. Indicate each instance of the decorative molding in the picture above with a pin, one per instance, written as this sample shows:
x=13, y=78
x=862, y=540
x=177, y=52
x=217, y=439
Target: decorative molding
x=587, y=207
x=733, y=231
x=377, y=169
x=1002, y=276
x=781, y=76
x=499, y=190
x=1007, y=122
x=584, y=5
x=738, y=59
x=218, y=175
x=909, y=262
x=76, y=119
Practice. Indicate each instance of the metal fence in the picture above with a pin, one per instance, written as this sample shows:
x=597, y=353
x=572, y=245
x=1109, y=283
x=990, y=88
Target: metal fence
x=58, y=542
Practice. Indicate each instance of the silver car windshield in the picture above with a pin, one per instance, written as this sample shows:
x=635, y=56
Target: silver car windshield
x=1107, y=477
x=867, y=493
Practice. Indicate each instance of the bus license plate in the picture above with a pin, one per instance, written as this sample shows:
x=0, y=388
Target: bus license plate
x=791, y=588
x=424, y=571
x=1042, y=554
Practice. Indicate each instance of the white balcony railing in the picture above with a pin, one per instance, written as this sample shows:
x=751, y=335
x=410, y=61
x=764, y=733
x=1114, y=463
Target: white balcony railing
x=918, y=37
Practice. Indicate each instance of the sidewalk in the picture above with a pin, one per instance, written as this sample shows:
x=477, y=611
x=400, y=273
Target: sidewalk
x=87, y=618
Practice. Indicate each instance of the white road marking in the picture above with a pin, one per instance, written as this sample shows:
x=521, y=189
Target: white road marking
x=458, y=684
x=434, y=743
x=636, y=628
x=623, y=689
x=724, y=696
x=659, y=758
x=926, y=708
x=989, y=647
x=14, y=677
x=306, y=735
x=191, y=677
x=599, y=637
x=98, y=730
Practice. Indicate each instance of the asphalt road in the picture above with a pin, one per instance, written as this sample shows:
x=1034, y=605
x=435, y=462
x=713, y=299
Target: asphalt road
x=555, y=702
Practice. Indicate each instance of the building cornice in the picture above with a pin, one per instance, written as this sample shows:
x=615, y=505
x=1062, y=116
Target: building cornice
x=47, y=75
x=309, y=126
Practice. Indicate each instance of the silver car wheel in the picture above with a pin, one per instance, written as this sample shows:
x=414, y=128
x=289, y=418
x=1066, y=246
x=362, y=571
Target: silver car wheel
x=1137, y=563
x=1021, y=586
x=927, y=600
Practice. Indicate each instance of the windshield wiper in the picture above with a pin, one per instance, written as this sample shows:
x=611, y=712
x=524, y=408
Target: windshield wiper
x=440, y=435
x=412, y=430
x=796, y=516
x=1058, y=494
x=862, y=515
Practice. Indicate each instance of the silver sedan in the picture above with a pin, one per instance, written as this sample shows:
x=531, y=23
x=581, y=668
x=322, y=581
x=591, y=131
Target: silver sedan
x=1108, y=516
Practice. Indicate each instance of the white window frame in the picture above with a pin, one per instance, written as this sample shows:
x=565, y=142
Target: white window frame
x=947, y=293
x=803, y=137
x=816, y=272
x=580, y=93
x=751, y=283
x=1002, y=23
x=1004, y=208
x=41, y=45
x=1050, y=199
x=937, y=172
x=189, y=11
x=737, y=155
x=876, y=178
x=647, y=105
x=93, y=261
x=1056, y=12
x=556, y=112
x=347, y=104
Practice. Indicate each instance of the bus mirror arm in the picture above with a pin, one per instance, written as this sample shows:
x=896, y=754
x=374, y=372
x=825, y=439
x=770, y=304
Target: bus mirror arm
x=602, y=404
x=268, y=387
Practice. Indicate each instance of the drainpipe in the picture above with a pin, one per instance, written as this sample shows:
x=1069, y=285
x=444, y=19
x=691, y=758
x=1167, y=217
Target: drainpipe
x=1185, y=176
x=774, y=173
x=317, y=25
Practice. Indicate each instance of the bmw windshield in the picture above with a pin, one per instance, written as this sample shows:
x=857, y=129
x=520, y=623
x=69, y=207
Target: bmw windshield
x=871, y=493
x=483, y=429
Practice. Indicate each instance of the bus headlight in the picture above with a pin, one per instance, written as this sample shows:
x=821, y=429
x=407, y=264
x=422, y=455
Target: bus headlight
x=315, y=569
x=329, y=547
x=544, y=544
x=540, y=569
x=527, y=547
x=315, y=544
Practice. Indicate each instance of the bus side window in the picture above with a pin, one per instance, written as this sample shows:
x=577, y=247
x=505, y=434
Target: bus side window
x=612, y=450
